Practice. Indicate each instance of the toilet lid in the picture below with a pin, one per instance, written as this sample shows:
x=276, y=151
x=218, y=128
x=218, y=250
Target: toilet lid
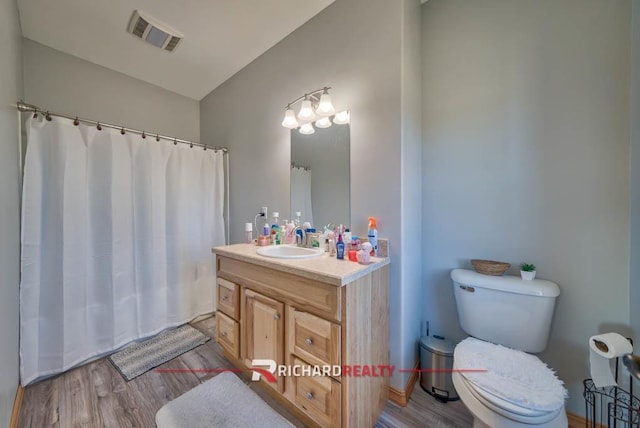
x=506, y=409
x=512, y=380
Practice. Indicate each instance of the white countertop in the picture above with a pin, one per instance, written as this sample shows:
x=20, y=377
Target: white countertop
x=324, y=268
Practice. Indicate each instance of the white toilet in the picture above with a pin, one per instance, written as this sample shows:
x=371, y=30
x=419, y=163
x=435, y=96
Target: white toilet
x=496, y=377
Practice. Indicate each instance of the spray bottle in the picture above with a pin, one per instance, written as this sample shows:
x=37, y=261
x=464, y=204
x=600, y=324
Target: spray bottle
x=373, y=236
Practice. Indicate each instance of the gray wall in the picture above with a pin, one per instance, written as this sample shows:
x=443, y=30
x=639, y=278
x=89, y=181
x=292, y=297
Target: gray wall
x=10, y=92
x=359, y=54
x=634, y=300
x=66, y=84
x=412, y=295
x=525, y=158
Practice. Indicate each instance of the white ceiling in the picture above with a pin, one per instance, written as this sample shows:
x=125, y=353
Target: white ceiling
x=221, y=36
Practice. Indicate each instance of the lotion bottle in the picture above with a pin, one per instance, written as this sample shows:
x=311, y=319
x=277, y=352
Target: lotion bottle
x=332, y=243
x=275, y=229
x=248, y=233
x=340, y=248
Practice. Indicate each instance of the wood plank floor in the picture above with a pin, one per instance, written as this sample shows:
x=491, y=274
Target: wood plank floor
x=95, y=395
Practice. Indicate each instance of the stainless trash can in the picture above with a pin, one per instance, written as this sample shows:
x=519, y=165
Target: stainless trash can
x=436, y=363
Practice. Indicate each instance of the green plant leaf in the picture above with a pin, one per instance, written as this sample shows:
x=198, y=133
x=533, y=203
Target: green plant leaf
x=527, y=267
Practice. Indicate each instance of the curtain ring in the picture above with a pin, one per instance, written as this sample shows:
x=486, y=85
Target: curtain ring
x=191, y=146
x=35, y=114
x=157, y=137
x=122, y=131
x=76, y=122
x=144, y=135
x=175, y=143
x=205, y=147
x=98, y=127
x=48, y=116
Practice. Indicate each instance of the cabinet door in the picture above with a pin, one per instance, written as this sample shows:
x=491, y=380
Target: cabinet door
x=264, y=331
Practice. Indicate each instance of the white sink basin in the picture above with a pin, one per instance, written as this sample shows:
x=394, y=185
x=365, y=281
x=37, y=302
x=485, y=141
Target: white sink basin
x=289, y=252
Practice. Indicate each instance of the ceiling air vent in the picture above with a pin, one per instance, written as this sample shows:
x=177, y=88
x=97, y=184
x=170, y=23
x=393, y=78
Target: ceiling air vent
x=153, y=31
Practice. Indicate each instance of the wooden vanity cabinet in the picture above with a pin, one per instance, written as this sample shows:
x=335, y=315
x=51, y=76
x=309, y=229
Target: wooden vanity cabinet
x=262, y=331
x=295, y=320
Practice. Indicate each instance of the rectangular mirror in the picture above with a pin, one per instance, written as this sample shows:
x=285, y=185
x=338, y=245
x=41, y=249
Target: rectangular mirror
x=320, y=176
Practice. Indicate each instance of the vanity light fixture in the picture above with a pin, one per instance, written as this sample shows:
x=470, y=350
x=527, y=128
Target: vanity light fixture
x=342, y=117
x=314, y=106
x=306, y=110
x=307, y=129
x=290, y=120
x=323, y=122
x=325, y=108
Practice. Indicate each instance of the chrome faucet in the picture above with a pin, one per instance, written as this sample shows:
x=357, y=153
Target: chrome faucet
x=301, y=241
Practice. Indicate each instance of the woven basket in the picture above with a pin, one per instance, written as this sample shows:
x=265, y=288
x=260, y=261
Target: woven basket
x=490, y=267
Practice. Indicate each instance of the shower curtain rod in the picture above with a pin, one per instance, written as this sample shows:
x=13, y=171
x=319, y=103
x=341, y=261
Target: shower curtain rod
x=24, y=107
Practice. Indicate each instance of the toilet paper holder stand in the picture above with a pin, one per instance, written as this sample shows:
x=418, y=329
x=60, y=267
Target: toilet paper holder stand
x=612, y=406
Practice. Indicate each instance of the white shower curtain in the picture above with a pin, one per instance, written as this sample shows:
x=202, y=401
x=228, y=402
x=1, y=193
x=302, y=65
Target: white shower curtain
x=301, y=193
x=117, y=233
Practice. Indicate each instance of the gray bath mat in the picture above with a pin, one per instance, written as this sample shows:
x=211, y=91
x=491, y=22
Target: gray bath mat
x=141, y=357
x=222, y=402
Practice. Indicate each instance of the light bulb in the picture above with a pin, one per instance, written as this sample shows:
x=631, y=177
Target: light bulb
x=342, y=117
x=323, y=122
x=325, y=108
x=307, y=129
x=290, y=120
x=306, y=111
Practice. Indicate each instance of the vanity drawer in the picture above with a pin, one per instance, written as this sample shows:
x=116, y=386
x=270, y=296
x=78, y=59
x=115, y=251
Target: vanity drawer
x=314, y=296
x=312, y=338
x=227, y=333
x=228, y=298
x=318, y=397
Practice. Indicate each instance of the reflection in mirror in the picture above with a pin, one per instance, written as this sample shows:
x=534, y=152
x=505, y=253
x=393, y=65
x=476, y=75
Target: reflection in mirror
x=320, y=176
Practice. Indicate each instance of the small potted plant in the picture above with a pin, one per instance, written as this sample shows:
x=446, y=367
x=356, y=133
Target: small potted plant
x=527, y=271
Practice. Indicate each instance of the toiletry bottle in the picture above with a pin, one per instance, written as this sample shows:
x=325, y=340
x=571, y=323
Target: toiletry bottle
x=347, y=236
x=283, y=232
x=373, y=236
x=275, y=229
x=314, y=239
x=340, y=248
x=288, y=232
x=298, y=224
x=266, y=229
x=332, y=243
x=248, y=233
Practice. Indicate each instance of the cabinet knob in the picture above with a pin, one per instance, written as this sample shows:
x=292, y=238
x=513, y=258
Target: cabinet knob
x=223, y=333
x=309, y=341
x=276, y=317
x=309, y=395
x=225, y=298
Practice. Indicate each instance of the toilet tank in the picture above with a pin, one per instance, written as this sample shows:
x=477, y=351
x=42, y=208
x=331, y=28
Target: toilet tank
x=505, y=309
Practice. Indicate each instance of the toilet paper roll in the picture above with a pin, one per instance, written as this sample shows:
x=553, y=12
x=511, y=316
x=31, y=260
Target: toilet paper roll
x=602, y=348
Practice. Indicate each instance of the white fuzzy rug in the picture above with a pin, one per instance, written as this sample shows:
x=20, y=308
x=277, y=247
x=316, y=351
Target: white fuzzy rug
x=512, y=375
x=223, y=401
